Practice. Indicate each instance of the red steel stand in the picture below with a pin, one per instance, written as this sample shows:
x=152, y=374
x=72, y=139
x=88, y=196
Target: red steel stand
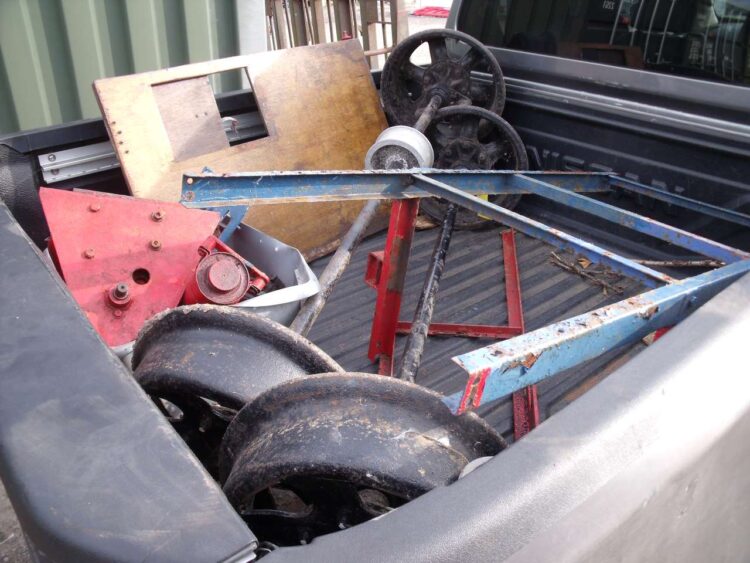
x=386, y=272
x=389, y=279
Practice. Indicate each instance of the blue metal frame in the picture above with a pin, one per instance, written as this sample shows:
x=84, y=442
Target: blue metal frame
x=500, y=369
x=681, y=201
x=217, y=190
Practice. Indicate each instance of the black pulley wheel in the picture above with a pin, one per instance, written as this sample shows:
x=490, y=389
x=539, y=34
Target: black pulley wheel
x=407, y=88
x=468, y=138
x=327, y=452
x=202, y=363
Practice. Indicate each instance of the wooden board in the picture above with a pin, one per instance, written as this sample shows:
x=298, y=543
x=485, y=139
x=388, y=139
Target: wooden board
x=320, y=108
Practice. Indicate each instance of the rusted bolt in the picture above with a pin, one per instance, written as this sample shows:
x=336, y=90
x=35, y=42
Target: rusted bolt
x=52, y=158
x=94, y=207
x=119, y=296
x=89, y=253
x=121, y=291
x=188, y=196
x=155, y=244
x=158, y=215
x=189, y=181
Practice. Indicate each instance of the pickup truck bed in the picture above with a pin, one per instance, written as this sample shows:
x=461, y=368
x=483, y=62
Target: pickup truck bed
x=472, y=288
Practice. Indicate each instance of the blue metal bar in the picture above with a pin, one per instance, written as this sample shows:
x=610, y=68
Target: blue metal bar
x=502, y=368
x=647, y=276
x=681, y=201
x=630, y=220
x=212, y=190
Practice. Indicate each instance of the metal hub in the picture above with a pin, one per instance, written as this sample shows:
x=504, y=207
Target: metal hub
x=448, y=79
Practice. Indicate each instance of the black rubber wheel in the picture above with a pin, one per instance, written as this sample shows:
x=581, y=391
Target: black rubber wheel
x=406, y=88
x=202, y=363
x=327, y=452
x=469, y=138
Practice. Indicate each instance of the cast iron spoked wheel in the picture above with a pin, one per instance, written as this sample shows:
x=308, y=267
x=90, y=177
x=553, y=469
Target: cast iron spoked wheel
x=468, y=138
x=323, y=453
x=407, y=88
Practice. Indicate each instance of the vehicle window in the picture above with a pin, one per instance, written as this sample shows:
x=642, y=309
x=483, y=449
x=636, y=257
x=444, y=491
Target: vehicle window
x=706, y=39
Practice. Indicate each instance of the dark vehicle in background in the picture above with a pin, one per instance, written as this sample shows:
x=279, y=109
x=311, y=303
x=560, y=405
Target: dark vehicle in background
x=652, y=463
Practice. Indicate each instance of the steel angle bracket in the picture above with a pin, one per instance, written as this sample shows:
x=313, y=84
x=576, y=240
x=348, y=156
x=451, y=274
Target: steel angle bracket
x=500, y=369
x=254, y=188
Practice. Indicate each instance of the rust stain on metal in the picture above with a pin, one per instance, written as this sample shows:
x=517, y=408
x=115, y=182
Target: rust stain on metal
x=529, y=360
x=650, y=312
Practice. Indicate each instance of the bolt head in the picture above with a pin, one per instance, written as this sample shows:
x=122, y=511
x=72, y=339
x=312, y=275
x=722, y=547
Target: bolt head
x=158, y=215
x=117, y=313
x=52, y=158
x=121, y=290
x=89, y=253
x=155, y=244
x=94, y=207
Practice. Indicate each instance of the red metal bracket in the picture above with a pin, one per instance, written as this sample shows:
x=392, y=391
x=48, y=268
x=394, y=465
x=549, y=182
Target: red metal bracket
x=124, y=259
x=390, y=282
x=386, y=271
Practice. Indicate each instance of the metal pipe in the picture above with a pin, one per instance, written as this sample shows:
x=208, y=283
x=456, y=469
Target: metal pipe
x=309, y=312
x=429, y=113
x=420, y=326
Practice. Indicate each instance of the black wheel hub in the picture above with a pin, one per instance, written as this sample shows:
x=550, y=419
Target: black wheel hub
x=463, y=154
x=448, y=79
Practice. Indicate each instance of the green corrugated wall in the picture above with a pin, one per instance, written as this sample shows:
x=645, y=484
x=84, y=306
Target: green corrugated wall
x=52, y=50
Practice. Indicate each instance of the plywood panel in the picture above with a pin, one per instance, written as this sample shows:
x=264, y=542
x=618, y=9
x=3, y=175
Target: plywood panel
x=321, y=111
x=191, y=117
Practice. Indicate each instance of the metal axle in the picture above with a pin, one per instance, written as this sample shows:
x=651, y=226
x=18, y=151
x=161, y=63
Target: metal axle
x=420, y=326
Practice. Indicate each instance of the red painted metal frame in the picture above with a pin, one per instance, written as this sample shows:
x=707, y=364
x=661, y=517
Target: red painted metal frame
x=525, y=402
x=386, y=272
x=101, y=241
x=390, y=284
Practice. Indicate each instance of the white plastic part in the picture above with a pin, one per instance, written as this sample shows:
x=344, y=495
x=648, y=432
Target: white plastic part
x=400, y=147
